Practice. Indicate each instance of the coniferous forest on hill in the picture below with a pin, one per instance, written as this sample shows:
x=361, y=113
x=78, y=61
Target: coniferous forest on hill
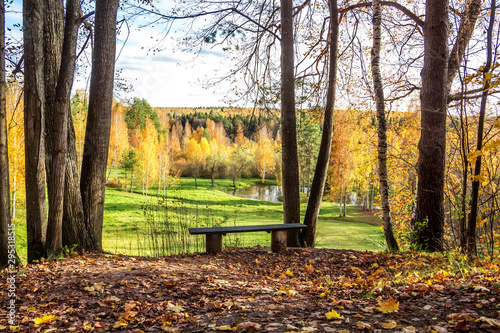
x=362, y=136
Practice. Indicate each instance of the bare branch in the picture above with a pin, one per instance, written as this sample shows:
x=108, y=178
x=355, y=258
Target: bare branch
x=396, y=5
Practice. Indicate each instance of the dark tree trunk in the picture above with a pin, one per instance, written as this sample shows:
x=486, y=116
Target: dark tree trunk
x=34, y=127
x=95, y=152
x=471, y=248
x=390, y=240
x=290, y=170
x=319, y=179
x=60, y=44
x=428, y=215
x=73, y=225
x=4, y=154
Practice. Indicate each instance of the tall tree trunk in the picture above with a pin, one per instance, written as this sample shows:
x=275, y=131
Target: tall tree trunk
x=34, y=127
x=471, y=227
x=469, y=19
x=60, y=43
x=320, y=173
x=73, y=225
x=290, y=170
x=5, y=221
x=390, y=240
x=95, y=152
x=428, y=215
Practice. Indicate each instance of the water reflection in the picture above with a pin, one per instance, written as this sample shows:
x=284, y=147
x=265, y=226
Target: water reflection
x=259, y=192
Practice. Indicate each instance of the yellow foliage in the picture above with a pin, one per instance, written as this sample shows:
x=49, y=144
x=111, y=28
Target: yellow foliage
x=333, y=315
x=44, y=320
x=388, y=307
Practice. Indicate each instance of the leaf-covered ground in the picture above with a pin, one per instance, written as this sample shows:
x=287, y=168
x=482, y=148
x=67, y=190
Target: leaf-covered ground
x=247, y=290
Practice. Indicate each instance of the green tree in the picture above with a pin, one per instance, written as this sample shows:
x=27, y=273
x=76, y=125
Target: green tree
x=309, y=139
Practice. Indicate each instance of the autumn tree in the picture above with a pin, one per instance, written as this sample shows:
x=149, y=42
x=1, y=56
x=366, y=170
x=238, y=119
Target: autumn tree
x=264, y=153
x=147, y=153
x=5, y=222
x=240, y=163
x=95, y=152
x=382, y=128
x=118, y=136
x=15, y=131
x=428, y=218
x=34, y=128
x=320, y=173
x=290, y=174
x=471, y=248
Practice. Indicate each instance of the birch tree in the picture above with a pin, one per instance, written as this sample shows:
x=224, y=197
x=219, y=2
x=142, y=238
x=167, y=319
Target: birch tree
x=382, y=127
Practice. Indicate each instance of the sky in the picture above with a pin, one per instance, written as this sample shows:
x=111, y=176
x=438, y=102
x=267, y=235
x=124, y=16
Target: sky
x=169, y=78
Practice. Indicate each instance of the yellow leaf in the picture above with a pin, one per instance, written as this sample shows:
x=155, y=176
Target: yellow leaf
x=389, y=325
x=472, y=156
x=289, y=273
x=44, y=320
x=226, y=328
x=285, y=291
x=121, y=322
x=388, y=307
x=333, y=315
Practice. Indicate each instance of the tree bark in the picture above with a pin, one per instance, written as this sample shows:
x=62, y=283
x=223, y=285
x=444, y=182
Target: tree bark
x=60, y=38
x=290, y=170
x=5, y=221
x=95, y=152
x=390, y=240
x=34, y=127
x=320, y=173
x=471, y=248
x=73, y=224
x=428, y=216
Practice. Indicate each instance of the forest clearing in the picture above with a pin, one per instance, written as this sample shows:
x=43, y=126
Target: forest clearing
x=376, y=123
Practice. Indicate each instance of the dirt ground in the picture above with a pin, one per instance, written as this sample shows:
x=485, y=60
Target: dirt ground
x=251, y=289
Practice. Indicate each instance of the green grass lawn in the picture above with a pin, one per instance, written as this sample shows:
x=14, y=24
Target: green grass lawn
x=127, y=229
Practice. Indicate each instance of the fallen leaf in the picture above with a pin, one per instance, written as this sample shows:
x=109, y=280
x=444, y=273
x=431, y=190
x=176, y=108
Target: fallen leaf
x=44, y=320
x=388, y=307
x=120, y=323
x=333, y=315
x=285, y=291
x=249, y=326
x=409, y=329
x=363, y=326
x=490, y=322
x=174, y=308
x=289, y=273
x=226, y=328
x=389, y=325
x=111, y=299
x=459, y=316
x=440, y=329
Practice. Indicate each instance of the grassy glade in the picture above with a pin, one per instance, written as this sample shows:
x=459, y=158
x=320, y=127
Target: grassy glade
x=137, y=224
x=162, y=228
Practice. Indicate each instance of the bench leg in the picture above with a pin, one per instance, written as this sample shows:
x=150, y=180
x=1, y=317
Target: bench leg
x=214, y=243
x=278, y=240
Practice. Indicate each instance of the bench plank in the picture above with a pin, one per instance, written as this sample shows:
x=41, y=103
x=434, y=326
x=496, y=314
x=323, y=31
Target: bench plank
x=247, y=228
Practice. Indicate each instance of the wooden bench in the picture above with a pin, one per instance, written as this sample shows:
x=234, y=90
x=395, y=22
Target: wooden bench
x=278, y=234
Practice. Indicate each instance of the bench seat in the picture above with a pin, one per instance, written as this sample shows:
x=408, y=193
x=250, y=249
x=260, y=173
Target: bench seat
x=278, y=234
